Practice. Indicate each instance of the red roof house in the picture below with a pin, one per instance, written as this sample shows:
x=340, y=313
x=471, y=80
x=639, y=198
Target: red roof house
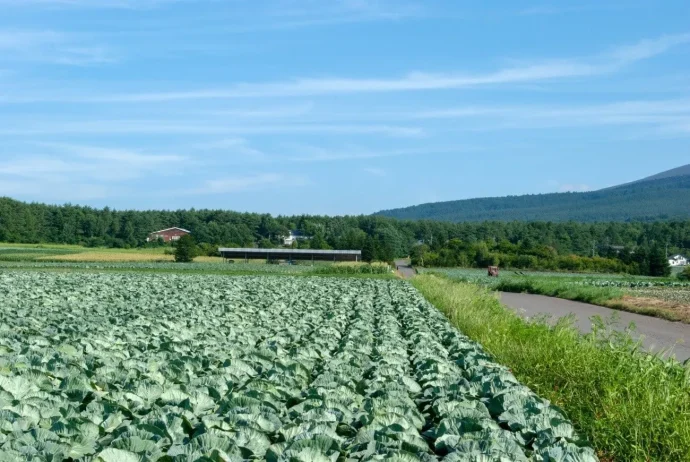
x=168, y=235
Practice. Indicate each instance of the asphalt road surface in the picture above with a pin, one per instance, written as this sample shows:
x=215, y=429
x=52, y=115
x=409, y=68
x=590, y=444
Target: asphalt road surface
x=404, y=268
x=656, y=334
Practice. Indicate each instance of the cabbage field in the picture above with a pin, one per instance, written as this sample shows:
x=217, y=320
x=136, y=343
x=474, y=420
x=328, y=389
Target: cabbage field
x=135, y=367
x=163, y=266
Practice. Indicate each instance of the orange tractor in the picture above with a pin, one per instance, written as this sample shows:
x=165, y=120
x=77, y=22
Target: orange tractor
x=493, y=271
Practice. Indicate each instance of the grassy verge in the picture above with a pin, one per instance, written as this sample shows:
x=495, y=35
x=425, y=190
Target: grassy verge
x=611, y=297
x=587, y=294
x=632, y=406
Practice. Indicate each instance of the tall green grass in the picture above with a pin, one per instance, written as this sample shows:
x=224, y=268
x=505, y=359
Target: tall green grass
x=604, y=296
x=632, y=406
x=559, y=288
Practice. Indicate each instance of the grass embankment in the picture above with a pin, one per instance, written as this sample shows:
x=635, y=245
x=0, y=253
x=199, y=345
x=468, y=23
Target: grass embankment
x=611, y=297
x=632, y=406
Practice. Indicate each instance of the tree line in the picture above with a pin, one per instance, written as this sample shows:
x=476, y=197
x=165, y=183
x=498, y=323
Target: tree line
x=644, y=259
x=380, y=238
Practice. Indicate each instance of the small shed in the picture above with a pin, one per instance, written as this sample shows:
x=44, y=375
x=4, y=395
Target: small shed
x=168, y=235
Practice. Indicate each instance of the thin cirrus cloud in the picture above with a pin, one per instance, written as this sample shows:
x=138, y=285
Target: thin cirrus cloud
x=69, y=162
x=245, y=183
x=604, y=63
x=54, y=188
x=70, y=172
x=320, y=154
x=91, y=4
x=130, y=127
x=276, y=112
x=239, y=148
x=666, y=114
x=547, y=10
x=374, y=171
x=28, y=45
x=275, y=14
x=569, y=187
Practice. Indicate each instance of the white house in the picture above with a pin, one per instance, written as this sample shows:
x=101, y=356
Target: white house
x=678, y=260
x=293, y=237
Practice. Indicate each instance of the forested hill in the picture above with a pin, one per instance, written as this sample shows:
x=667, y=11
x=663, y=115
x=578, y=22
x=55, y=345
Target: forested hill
x=667, y=197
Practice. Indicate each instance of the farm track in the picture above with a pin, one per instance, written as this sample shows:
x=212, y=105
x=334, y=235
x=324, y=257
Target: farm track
x=656, y=334
x=405, y=269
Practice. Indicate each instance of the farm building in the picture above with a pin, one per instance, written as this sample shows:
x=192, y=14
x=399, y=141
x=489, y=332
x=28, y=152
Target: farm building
x=678, y=260
x=293, y=237
x=168, y=235
x=290, y=254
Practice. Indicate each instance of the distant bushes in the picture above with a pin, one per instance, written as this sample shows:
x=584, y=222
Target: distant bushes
x=685, y=275
x=527, y=256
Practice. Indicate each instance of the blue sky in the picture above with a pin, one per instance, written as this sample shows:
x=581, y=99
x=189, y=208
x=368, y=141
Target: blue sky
x=338, y=106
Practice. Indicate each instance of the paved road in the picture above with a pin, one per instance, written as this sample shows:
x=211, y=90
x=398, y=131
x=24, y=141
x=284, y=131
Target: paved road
x=656, y=333
x=404, y=268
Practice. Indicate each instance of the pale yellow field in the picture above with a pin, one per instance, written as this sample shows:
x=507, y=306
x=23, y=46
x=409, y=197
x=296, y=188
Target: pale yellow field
x=208, y=260
x=110, y=257
x=358, y=263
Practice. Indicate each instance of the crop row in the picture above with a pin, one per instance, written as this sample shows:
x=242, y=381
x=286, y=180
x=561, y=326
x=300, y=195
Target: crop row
x=164, y=266
x=124, y=367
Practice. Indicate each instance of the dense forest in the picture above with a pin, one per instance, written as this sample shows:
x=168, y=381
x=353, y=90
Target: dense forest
x=648, y=200
x=472, y=244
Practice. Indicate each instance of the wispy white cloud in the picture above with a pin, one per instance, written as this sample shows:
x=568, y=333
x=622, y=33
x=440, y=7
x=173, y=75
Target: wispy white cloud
x=604, y=63
x=575, y=188
x=90, y=4
x=260, y=15
x=127, y=157
x=568, y=187
x=277, y=112
x=185, y=127
x=69, y=162
x=556, y=9
x=648, y=48
x=244, y=183
x=374, y=171
x=238, y=147
x=60, y=172
x=53, y=190
x=320, y=154
x=659, y=113
x=50, y=47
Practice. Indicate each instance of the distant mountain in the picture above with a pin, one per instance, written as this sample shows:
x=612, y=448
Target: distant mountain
x=659, y=197
x=679, y=171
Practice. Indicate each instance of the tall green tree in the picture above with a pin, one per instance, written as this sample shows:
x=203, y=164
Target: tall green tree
x=658, y=263
x=185, y=249
x=318, y=242
x=384, y=250
x=369, y=250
